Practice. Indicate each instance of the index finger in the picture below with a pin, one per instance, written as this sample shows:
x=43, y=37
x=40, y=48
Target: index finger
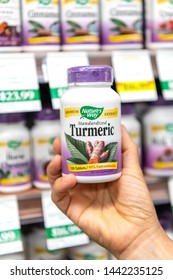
x=57, y=146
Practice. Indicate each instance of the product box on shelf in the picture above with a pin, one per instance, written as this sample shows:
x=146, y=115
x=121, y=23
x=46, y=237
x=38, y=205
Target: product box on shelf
x=40, y=25
x=10, y=29
x=121, y=24
x=80, y=24
x=159, y=23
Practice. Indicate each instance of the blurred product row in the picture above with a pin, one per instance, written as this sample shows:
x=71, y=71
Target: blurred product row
x=70, y=23
x=26, y=149
x=35, y=246
x=86, y=24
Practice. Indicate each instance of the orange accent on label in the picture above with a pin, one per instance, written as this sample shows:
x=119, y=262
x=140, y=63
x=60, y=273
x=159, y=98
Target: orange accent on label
x=91, y=167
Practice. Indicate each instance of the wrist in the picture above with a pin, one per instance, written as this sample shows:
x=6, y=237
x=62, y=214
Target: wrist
x=153, y=244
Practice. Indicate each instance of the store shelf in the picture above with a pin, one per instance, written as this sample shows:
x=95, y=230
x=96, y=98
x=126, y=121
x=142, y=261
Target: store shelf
x=30, y=206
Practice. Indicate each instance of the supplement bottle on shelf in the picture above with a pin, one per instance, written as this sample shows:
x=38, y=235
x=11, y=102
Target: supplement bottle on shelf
x=91, y=125
x=158, y=138
x=43, y=134
x=15, y=158
x=133, y=126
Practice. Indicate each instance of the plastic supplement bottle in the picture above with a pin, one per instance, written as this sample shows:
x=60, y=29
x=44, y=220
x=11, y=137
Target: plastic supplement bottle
x=158, y=139
x=91, y=125
x=15, y=159
x=133, y=126
x=43, y=134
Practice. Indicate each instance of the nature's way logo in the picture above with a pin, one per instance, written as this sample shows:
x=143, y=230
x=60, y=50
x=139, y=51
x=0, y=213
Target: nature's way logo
x=90, y=112
x=45, y=2
x=14, y=144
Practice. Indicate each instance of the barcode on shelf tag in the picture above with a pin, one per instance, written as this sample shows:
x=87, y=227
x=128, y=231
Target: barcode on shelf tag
x=10, y=230
x=61, y=232
x=164, y=61
x=19, y=89
x=57, y=65
x=134, y=76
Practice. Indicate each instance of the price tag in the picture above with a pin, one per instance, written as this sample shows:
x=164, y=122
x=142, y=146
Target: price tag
x=57, y=65
x=164, y=60
x=61, y=232
x=19, y=90
x=10, y=231
x=134, y=76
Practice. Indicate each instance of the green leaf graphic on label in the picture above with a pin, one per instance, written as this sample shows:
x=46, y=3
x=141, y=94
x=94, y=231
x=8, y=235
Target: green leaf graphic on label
x=118, y=22
x=77, y=148
x=112, y=148
x=75, y=161
x=90, y=112
x=14, y=144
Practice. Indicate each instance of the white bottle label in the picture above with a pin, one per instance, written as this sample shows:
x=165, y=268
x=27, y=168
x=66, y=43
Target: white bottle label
x=15, y=163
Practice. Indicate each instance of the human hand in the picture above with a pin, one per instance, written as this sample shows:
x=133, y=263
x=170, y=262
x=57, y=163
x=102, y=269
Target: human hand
x=119, y=215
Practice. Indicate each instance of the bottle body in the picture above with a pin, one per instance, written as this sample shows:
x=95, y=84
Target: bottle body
x=15, y=160
x=43, y=135
x=158, y=144
x=91, y=133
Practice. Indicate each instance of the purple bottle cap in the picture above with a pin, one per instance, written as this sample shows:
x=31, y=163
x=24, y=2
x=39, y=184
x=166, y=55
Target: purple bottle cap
x=90, y=74
x=127, y=109
x=47, y=114
x=12, y=117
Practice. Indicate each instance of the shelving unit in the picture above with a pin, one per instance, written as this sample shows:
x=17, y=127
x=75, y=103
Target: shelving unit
x=30, y=206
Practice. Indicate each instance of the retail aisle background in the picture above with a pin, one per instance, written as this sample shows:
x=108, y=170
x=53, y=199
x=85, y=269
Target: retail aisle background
x=128, y=25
